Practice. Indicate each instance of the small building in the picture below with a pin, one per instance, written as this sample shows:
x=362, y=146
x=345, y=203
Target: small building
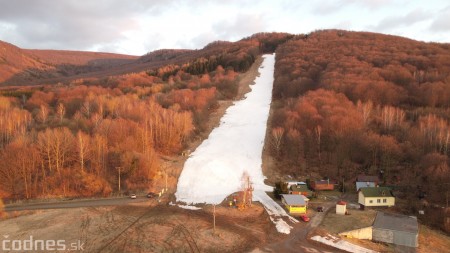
x=291, y=183
x=301, y=189
x=322, y=185
x=366, y=181
x=375, y=196
x=361, y=233
x=295, y=204
x=396, y=228
x=341, y=207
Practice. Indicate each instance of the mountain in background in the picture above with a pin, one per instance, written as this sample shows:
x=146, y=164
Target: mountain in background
x=21, y=67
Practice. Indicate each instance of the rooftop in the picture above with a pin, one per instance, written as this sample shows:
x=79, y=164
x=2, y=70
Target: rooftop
x=376, y=192
x=324, y=182
x=295, y=182
x=300, y=188
x=294, y=200
x=364, y=178
x=396, y=222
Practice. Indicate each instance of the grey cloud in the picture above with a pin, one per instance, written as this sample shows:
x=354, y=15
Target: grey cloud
x=327, y=7
x=242, y=25
x=199, y=41
x=409, y=19
x=371, y=4
x=442, y=23
x=330, y=6
x=72, y=24
x=234, y=28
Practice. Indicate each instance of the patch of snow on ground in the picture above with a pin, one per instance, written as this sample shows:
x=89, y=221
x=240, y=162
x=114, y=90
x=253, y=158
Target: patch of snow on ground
x=215, y=169
x=185, y=206
x=341, y=244
x=190, y=207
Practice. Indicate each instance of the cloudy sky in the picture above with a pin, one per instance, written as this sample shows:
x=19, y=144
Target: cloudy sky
x=139, y=26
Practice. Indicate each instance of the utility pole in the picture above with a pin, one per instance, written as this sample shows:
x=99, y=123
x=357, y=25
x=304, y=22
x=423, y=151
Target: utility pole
x=165, y=172
x=118, y=168
x=214, y=215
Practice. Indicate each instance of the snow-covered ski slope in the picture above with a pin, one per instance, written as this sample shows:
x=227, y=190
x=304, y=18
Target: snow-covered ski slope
x=215, y=169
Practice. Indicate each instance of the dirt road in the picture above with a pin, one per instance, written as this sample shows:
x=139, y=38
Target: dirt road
x=74, y=204
x=297, y=240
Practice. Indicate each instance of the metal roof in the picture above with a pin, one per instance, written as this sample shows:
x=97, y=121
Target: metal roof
x=324, y=182
x=396, y=222
x=294, y=199
x=300, y=188
x=364, y=178
x=376, y=192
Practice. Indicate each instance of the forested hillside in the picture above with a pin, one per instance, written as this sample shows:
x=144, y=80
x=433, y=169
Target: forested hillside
x=347, y=103
x=77, y=137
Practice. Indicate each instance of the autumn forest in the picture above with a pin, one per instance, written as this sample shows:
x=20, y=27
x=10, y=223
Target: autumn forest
x=344, y=103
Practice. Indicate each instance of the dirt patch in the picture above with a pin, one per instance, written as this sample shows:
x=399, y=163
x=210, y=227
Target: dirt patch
x=146, y=227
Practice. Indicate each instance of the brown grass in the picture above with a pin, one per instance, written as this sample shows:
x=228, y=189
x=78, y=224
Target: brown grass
x=336, y=223
x=432, y=241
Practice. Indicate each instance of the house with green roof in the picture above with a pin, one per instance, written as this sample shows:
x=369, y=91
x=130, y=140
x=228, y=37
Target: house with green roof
x=301, y=189
x=375, y=196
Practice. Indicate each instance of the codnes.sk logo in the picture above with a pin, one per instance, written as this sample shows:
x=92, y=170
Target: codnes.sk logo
x=31, y=244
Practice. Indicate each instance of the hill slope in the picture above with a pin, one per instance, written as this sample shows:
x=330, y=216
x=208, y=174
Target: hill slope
x=14, y=60
x=31, y=67
x=348, y=103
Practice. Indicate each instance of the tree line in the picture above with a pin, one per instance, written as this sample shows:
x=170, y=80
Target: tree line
x=348, y=103
x=78, y=139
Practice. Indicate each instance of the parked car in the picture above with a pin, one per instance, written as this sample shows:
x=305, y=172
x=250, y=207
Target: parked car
x=304, y=218
x=133, y=196
x=320, y=209
x=151, y=195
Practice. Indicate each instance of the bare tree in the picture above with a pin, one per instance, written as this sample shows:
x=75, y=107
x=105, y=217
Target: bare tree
x=277, y=137
x=318, y=132
x=83, y=148
x=43, y=114
x=61, y=111
x=366, y=111
x=86, y=109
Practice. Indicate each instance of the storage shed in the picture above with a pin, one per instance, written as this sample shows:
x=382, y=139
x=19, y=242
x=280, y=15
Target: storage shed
x=396, y=228
x=301, y=189
x=321, y=185
x=341, y=207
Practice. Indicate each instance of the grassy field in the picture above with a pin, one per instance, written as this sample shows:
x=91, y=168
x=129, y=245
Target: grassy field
x=337, y=223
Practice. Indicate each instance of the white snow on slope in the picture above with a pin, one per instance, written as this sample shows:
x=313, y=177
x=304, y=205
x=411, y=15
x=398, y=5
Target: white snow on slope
x=215, y=169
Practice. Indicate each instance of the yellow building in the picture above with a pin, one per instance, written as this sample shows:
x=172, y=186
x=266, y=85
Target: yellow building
x=362, y=233
x=295, y=204
x=376, y=196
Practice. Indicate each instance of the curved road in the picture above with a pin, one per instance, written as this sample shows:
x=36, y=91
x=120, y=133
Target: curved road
x=74, y=203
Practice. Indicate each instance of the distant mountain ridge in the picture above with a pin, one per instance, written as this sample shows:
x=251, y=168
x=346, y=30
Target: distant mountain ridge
x=19, y=67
